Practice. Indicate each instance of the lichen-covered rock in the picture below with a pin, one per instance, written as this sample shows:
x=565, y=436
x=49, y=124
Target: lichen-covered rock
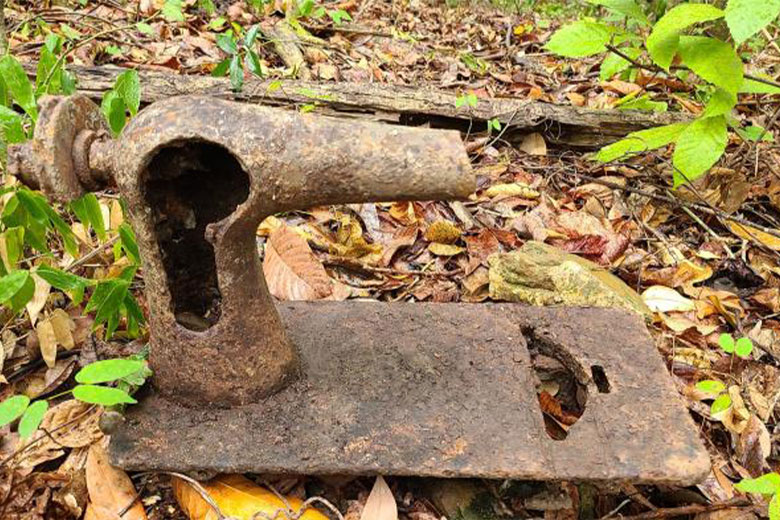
x=539, y=274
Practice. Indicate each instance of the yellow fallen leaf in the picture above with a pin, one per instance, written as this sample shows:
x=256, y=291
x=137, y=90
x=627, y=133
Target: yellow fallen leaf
x=660, y=298
x=38, y=301
x=269, y=225
x=236, y=497
x=117, y=215
x=754, y=235
x=514, y=189
x=442, y=231
x=110, y=489
x=381, y=503
x=439, y=249
x=47, y=340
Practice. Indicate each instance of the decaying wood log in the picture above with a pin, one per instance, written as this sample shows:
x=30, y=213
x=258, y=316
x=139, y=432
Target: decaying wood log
x=567, y=125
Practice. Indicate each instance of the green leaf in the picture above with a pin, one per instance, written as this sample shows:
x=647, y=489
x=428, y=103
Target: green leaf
x=23, y=295
x=254, y=64
x=627, y=8
x=698, y=148
x=663, y=40
x=711, y=387
x=251, y=35
x=768, y=484
x=643, y=103
x=221, y=69
x=227, y=43
x=87, y=209
x=108, y=370
x=12, y=283
x=236, y=73
x=113, y=108
x=774, y=508
x=754, y=133
x=61, y=280
x=172, y=11
x=107, y=298
x=102, y=395
x=339, y=15
x=127, y=236
x=144, y=28
x=721, y=103
x=746, y=17
x=743, y=347
x=11, y=123
x=12, y=408
x=726, y=342
x=614, y=64
x=128, y=87
x=720, y=405
x=714, y=60
x=19, y=85
x=32, y=418
x=579, y=39
x=641, y=141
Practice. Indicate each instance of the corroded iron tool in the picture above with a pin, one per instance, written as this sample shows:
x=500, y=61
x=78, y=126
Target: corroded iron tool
x=241, y=384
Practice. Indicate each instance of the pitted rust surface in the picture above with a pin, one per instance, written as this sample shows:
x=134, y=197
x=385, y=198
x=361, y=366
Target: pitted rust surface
x=199, y=174
x=438, y=390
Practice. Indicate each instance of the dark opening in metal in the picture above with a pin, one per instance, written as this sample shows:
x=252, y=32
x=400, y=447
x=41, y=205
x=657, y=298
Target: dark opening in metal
x=600, y=379
x=561, y=394
x=190, y=185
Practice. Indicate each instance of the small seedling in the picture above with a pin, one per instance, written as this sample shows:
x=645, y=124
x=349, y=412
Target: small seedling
x=493, y=124
x=129, y=374
x=469, y=99
x=240, y=52
x=767, y=485
x=742, y=347
x=721, y=399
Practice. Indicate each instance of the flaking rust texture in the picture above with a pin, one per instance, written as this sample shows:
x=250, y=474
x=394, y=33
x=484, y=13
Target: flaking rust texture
x=352, y=387
x=442, y=390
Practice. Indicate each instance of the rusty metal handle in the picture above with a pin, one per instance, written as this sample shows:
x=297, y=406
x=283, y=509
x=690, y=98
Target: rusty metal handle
x=199, y=174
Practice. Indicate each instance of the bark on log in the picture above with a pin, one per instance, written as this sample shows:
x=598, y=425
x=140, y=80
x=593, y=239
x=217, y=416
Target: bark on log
x=567, y=125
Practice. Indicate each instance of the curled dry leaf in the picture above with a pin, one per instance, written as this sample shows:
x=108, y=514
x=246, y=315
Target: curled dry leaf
x=752, y=234
x=40, y=296
x=381, y=503
x=110, y=489
x=47, y=340
x=291, y=270
x=665, y=299
x=236, y=497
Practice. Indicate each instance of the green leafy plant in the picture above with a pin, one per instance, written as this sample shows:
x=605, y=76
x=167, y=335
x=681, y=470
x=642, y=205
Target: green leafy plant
x=493, y=124
x=29, y=225
x=240, y=51
x=767, y=485
x=741, y=348
x=634, y=41
x=128, y=374
x=469, y=99
x=721, y=401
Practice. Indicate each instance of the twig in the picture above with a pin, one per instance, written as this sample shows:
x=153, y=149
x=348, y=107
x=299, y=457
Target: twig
x=671, y=512
x=653, y=68
x=92, y=254
x=349, y=263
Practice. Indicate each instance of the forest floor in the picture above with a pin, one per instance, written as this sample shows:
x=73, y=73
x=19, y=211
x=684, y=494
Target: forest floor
x=709, y=275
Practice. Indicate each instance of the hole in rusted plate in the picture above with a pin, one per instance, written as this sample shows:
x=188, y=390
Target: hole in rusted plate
x=189, y=186
x=561, y=395
x=600, y=379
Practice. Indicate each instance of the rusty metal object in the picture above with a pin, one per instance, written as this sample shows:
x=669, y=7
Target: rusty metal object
x=199, y=175
x=437, y=390
x=408, y=389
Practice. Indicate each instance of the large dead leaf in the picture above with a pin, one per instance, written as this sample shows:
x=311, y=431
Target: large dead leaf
x=237, y=497
x=291, y=270
x=110, y=489
x=754, y=235
x=381, y=503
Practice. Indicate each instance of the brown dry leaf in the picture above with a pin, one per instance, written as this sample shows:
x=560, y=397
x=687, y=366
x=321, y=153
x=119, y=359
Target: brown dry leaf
x=38, y=301
x=110, y=488
x=754, y=446
x=291, y=270
x=237, y=497
x=63, y=328
x=47, y=340
x=442, y=231
x=769, y=297
x=533, y=144
x=752, y=234
x=381, y=503
x=404, y=212
x=404, y=236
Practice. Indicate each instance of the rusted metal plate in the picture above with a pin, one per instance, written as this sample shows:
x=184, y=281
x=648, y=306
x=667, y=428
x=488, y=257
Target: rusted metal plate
x=442, y=390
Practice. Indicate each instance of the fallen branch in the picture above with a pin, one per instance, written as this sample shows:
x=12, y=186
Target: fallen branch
x=568, y=125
